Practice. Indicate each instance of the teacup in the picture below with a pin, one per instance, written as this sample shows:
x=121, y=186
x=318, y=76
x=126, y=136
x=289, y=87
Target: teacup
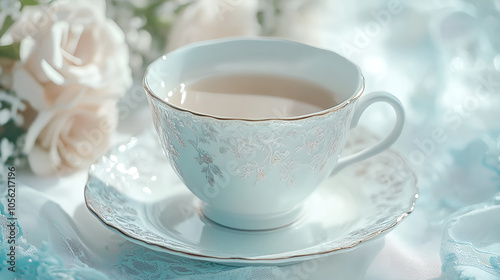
x=256, y=173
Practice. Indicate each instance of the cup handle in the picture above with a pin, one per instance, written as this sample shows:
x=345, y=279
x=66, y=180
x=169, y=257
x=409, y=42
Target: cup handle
x=364, y=103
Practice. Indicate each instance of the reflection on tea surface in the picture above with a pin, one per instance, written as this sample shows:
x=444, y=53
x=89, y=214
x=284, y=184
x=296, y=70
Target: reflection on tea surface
x=252, y=96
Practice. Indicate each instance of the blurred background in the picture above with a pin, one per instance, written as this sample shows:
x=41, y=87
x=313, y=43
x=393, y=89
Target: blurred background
x=440, y=58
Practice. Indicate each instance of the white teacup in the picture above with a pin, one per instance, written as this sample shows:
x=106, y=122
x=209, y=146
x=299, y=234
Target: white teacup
x=254, y=173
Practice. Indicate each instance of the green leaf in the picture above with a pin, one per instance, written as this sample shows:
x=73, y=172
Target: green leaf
x=29, y=3
x=11, y=51
x=6, y=24
x=260, y=17
x=179, y=9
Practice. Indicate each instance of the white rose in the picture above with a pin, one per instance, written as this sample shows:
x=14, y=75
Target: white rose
x=73, y=138
x=65, y=44
x=211, y=19
x=73, y=68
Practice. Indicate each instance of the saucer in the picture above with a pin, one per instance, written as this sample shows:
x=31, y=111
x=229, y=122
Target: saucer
x=134, y=191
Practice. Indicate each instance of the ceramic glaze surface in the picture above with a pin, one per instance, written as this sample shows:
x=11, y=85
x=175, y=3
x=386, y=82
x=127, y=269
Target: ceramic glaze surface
x=223, y=156
x=256, y=173
x=157, y=211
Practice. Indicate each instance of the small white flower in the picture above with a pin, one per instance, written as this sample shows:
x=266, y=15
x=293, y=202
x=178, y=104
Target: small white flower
x=4, y=116
x=166, y=12
x=6, y=149
x=9, y=8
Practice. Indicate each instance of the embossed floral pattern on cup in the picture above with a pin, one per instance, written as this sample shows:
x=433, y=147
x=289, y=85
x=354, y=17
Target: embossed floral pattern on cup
x=259, y=148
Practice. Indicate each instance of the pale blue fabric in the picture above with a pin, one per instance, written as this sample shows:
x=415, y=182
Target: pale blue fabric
x=49, y=246
x=62, y=255
x=471, y=242
x=41, y=262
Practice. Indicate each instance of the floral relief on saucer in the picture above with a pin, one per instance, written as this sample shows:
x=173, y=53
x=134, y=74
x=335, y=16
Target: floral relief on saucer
x=134, y=191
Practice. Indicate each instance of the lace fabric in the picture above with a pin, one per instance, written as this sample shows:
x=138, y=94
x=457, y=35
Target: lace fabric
x=63, y=255
x=137, y=262
x=471, y=242
x=49, y=245
x=67, y=258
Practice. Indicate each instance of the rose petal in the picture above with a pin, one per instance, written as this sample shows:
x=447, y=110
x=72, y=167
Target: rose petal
x=26, y=48
x=88, y=75
x=76, y=33
x=50, y=134
x=70, y=97
x=71, y=58
x=51, y=73
x=27, y=87
x=52, y=46
x=40, y=161
x=35, y=128
x=74, y=137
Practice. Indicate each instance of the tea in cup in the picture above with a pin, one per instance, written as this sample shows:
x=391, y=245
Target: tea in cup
x=252, y=126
